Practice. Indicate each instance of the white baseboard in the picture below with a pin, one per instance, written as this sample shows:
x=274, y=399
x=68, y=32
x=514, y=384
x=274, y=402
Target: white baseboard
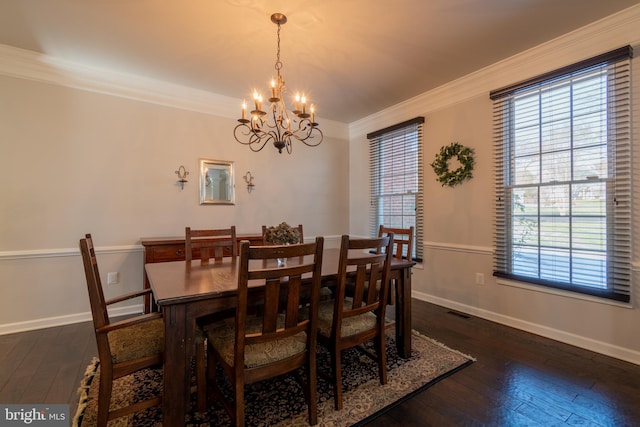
x=607, y=349
x=49, y=322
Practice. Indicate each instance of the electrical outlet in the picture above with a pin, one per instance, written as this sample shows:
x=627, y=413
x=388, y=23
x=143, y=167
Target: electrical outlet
x=479, y=278
x=113, y=278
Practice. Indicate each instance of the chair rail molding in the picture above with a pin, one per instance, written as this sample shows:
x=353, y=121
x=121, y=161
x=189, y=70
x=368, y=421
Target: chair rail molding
x=454, y=247
x=66, y=252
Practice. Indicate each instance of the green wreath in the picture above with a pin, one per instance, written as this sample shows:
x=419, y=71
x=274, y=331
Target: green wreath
x=441, y=164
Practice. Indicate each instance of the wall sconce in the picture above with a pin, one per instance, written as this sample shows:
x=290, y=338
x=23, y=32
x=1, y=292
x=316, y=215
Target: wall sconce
x=248, y=178
x=182, y=175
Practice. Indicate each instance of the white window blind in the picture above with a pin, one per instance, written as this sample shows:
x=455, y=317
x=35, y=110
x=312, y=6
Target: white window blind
x=563, y=178
x=396, y=178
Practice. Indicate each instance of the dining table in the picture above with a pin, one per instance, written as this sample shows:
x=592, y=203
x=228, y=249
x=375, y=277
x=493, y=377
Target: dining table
x=187, y=291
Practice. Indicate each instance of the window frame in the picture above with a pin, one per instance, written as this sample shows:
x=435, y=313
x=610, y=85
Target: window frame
x=618, y=201
x=403, y=140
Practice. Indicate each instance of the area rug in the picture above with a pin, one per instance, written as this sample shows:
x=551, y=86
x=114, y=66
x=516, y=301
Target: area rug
x=280, y=402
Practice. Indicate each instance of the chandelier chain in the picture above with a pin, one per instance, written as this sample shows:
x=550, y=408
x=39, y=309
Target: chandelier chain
x=278, y=62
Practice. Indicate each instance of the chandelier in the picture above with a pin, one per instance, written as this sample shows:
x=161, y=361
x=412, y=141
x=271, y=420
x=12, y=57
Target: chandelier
x=277, y=124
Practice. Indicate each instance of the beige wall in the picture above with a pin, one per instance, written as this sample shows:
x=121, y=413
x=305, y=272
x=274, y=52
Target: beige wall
x=76, y=161
x=458, y=222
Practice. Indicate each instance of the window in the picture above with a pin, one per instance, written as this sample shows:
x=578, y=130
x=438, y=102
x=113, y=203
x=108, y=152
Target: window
x=396, y=174
x=563, y=159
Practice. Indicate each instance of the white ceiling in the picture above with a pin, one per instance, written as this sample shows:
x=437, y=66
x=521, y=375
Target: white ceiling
x=351, y=57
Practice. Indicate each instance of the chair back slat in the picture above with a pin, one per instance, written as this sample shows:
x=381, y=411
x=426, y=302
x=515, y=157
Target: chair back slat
x=372, y=291
x=210, y=243
x=294, y=295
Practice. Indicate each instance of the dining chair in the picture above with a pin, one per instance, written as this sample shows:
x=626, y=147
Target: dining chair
x=213, y=243
x=402, y=248
x=124, y=346
x=264, y=234
x=255, y=346
x=402, y=241
x=325, y=292
x=347, y=322
x=216, y=243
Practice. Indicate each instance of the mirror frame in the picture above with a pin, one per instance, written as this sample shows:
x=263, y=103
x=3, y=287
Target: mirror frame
x=205, y=166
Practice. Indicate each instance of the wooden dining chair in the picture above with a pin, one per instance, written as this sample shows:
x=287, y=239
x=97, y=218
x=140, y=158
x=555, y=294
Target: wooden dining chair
x=256, y=346
x=124, y=346
x=325, y=292
x=264, y=234
x=402, y=241
x=347, y=322
x=402, y=248
x=213, y=243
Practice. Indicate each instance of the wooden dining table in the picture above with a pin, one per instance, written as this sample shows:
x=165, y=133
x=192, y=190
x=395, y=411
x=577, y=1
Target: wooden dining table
x=185, y=291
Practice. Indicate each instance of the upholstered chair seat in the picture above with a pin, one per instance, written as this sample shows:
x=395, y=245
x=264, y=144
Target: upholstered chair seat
x=137, y=341
x=222, y=338
x=350, y=325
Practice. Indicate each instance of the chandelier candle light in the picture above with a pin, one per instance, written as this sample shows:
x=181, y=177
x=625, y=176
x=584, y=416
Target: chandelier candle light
x=277, y=124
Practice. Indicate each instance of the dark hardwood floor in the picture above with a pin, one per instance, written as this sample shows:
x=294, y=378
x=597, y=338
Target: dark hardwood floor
x=519, y=379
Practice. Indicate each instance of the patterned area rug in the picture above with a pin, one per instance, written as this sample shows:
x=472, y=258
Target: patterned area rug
x=280, y=402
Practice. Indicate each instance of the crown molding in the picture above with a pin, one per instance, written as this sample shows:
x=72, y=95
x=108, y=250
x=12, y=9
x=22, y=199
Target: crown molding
x=620, y=29
x=30, y=65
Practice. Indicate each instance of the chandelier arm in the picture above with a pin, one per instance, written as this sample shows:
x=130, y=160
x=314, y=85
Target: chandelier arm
x=308, y=135
x=250, y=137
x=317, y=132
x=244, y=131
x=259, y=142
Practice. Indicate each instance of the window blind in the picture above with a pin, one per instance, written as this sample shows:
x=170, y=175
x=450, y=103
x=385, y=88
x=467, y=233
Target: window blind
x=397, y=179
x=562, y=146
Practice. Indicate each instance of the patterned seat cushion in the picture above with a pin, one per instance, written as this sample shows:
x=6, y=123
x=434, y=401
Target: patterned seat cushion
x=221, y=336
x=350, y=325
x=135, y=341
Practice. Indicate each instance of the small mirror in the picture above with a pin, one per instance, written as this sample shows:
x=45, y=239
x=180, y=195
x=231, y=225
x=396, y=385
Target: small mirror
x=217, y=182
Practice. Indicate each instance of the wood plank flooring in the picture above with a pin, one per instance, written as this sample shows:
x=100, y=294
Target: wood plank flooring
x=519, y=379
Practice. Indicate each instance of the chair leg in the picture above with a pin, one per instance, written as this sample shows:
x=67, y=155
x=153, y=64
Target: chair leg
x=201, y=376
x=104, y=398
x=382, y=357
x=312, y=403
x=337, y=378
x=238, y=404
